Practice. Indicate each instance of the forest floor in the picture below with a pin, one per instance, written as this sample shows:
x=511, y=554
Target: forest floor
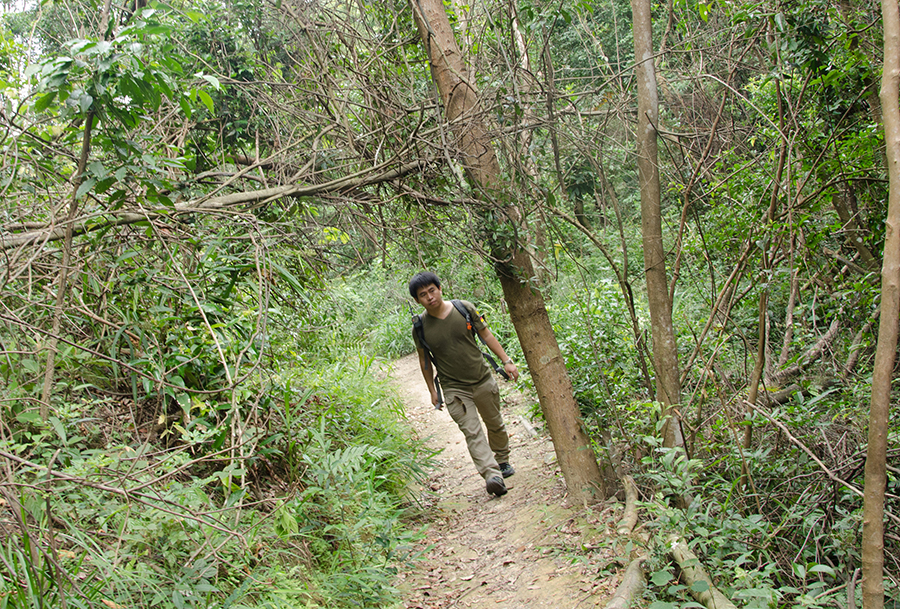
x=529, y=548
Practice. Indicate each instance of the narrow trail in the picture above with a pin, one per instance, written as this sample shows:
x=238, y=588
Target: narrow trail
x=528, y=548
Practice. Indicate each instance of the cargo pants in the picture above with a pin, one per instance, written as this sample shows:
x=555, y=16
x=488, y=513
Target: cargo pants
x=465, y=405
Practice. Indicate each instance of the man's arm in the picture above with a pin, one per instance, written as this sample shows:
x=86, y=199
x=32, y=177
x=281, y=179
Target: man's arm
x=494, y=345
x=428, y=373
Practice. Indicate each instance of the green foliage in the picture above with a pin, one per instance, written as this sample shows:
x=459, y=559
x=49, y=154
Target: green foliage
x=368, y=315
x=739, y=550
x=594, y=333
x=339, y=532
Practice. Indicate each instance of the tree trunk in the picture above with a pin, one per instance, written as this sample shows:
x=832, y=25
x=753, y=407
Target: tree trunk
x=474, y=150
x=873, y=501
x=665, y=353
x=62, y=283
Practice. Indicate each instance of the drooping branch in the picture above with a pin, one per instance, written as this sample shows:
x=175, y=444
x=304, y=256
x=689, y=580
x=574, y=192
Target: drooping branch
x=111, y=219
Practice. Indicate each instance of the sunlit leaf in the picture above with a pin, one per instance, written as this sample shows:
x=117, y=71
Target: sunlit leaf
x=207, y=100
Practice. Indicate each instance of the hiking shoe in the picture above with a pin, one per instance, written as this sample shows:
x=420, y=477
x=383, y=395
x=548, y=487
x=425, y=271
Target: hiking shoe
x=507, y=470
x=496, y=486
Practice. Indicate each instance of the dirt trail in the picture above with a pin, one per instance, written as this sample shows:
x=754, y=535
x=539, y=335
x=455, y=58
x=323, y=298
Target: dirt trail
x=528, y=548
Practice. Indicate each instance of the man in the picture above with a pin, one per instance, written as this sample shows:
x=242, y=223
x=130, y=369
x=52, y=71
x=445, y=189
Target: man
x=469, y=387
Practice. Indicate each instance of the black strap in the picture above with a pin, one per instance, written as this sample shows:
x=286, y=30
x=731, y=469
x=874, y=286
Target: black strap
x=420, y=332
x=468, y=317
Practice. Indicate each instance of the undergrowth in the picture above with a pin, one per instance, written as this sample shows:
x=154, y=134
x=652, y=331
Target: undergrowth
x=291, y=490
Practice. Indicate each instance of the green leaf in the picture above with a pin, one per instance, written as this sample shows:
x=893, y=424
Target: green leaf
x=27, y=417
x=211, y=80
x=44, y=102
x=700, y=586
x=85, y=187
x=703, y=9
x=98, y=169
x=85, y=101
x=164, y=85
x=661, y=578
x=58, y=428
x=156, y=29
x=126, y=256
x=206, y=99
x=185, y=106
x=184, y=400
x=104, y=185
x=822, y=569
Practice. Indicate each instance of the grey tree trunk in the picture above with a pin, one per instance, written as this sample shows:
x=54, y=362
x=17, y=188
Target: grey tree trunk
x=873, y=500
x=665, y=350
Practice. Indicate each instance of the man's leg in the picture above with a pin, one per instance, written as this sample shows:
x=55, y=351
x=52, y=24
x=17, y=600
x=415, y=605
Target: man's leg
x=461, y=406
x=487, y=400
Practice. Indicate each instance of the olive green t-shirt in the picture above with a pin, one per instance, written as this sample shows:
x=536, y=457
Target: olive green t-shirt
x=458, y=360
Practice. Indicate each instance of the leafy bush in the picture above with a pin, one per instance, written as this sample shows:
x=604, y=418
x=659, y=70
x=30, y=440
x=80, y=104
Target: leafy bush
x=318, y=505
x=594, y=333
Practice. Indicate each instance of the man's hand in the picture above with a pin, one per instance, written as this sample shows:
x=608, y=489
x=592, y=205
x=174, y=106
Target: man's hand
x=435, y=401
x=511, y=370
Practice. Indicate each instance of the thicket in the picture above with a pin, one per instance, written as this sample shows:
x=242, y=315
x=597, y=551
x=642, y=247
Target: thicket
x=209, y=214
x=210, y=443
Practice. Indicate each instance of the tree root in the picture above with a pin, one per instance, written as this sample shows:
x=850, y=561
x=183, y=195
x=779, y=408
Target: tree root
x=692, y=573
x=629, y=518
x=631, y=587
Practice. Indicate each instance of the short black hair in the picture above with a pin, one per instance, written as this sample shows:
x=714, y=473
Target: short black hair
x=422, y=280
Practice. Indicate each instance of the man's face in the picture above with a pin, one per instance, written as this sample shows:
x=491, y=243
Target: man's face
x=429, y=296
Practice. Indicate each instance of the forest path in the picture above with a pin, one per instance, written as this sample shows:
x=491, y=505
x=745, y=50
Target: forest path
x=528, y=548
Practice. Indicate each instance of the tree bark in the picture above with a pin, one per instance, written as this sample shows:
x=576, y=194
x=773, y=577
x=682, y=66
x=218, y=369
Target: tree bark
x=879, y=410
x=692, y=572
x=632, y=586
x=475, y=152
x=665, y=351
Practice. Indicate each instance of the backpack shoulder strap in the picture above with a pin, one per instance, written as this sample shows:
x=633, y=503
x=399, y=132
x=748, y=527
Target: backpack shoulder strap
x=420, y=333
x=464, y=311
x=419, y=329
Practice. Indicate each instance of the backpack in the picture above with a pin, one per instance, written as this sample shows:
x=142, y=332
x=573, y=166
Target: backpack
x=420, y=333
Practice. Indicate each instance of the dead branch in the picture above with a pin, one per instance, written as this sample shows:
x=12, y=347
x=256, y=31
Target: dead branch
x=110, y=219
x=629, y=518
x=807, y=358
x=783, y=396
x=856, y=345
